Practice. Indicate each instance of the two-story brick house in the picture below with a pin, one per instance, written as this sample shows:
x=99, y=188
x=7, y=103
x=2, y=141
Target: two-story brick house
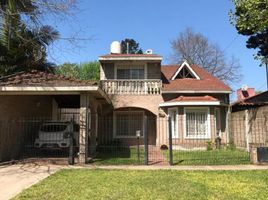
x=136, y=95
x=140, y=87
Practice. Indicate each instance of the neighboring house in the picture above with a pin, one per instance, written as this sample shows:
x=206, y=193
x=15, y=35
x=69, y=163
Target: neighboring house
x=136, y=94
x=249, y=121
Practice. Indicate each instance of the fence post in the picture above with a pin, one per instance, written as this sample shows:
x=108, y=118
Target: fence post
x=170, y=141
x=145, y=141
x=71, y=145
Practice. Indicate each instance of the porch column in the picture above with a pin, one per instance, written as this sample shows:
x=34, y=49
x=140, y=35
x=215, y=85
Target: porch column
x=83, y=132
x=158, y=128
x=94, y=127
x=161, y=128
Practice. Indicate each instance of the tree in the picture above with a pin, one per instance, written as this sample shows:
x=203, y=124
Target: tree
x=196, y=49
x=23, y=38
x=68, y=70
x=250, y=19
x=89, y=71
x=82, y=71
x=130, y=46
x=26, y=49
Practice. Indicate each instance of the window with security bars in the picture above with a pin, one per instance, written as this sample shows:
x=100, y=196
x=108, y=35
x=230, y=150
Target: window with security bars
x=127, y=123
x=197, y=123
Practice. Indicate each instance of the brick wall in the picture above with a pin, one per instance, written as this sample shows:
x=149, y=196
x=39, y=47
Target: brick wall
x=14, y=110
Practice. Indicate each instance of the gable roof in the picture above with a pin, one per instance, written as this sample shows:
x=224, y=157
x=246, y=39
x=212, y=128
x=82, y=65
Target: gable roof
x=207, y=82
x=185, y=65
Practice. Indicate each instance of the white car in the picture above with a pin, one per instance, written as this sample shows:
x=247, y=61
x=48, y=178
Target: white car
x=56, y=135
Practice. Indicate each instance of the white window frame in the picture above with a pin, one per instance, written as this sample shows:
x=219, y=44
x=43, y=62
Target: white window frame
x=208, y=135
x=185, y=64
x=130, y=66
x=115, y=128
x=176, y=122
x=216, y=118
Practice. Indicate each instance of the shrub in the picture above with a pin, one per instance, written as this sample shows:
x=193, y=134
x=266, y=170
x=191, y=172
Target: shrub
x=164, y=147
x=209, y=145
x=231, y=146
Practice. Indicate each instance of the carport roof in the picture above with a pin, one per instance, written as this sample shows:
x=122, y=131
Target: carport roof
x=36, y=78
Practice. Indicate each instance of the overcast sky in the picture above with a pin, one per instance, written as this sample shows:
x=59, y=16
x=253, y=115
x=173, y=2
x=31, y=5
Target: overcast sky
x=152, y=23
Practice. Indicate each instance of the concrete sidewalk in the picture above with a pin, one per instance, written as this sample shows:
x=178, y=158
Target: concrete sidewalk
x=188, y=168
x=15, y=178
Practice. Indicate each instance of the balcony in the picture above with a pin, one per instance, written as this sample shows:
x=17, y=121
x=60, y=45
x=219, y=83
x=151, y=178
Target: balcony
x=120, y=86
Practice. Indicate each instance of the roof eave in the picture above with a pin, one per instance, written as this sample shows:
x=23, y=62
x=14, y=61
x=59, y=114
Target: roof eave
x=130, y=58
x=47, y=88
x=190, y=103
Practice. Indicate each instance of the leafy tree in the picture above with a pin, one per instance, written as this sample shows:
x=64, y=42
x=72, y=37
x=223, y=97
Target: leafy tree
x=68, y=69
x=196, y=49
x=89, y=70
x=130, y=46
x=23, y=39
x=250, y=19
x=27, y=49
x=83, y=71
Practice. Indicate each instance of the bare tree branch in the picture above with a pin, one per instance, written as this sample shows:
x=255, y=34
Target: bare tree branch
x=196, y=49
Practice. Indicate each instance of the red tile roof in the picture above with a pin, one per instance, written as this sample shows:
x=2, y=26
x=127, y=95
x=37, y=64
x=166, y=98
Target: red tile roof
x=37, y=78
x=257, y=100
x=207, y=82
x=193, y=98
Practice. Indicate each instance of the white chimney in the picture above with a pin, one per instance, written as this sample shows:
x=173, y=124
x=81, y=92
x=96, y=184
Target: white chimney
x=116, y=47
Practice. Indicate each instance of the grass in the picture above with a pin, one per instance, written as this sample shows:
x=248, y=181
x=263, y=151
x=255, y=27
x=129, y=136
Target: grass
x=126, y=184
x=129, y=156
x=213, y=157
x=119, y=156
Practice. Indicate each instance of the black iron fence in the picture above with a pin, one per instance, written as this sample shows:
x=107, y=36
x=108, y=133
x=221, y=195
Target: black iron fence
x=38, y=138
x=132, y=139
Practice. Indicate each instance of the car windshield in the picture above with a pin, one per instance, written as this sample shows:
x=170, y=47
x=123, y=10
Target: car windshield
x=53, y=127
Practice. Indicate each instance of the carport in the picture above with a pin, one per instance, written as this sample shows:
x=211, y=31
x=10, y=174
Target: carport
x=39, y=94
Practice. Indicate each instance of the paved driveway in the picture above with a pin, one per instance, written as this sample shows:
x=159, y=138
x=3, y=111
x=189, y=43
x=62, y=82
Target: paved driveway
x=15, y=178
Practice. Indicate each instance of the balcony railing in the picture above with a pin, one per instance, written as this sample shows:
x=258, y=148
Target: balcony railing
x=138, y=86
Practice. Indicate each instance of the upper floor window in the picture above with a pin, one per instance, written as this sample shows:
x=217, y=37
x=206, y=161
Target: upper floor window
x=130, y=72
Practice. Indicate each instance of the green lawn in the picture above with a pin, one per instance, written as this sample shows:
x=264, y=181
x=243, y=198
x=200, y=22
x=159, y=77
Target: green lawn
x=124, y=184
x=119, y=156
x=213, y=157
x=129, y=156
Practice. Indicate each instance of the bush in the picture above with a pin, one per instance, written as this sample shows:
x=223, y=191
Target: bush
x=231, y=146
x=209, y=145
x=164, y=147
